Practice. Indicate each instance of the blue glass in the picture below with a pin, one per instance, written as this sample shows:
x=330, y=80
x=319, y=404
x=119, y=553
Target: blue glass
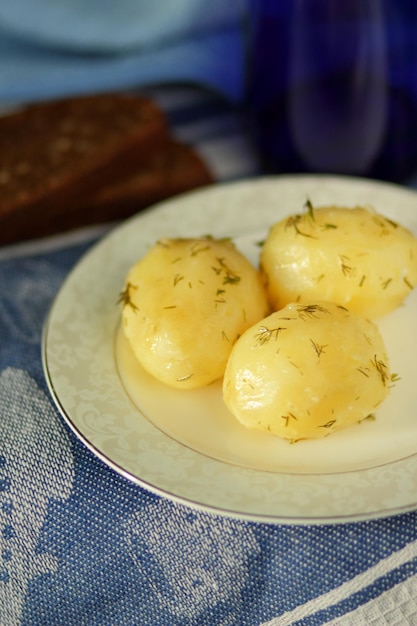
x=332, y=86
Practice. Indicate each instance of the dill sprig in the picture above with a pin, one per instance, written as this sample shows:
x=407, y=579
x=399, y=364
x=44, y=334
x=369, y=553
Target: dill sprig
x=177, y=278
x=310, y=310
x=288, y=417
x=265, y=334
x=293, y=222
x=310, y=209
x=198, y=247
x=346, y=269
x=369, y=418
x=125, y=297
x=381, y=368
x=394, y=379
x=230, y=277
x=385, y=283
x=319, y=349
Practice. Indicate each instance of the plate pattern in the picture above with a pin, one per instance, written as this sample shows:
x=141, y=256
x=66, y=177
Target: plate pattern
x=79, y=363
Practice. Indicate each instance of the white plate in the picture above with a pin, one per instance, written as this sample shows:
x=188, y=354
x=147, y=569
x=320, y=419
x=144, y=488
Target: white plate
x=185, y=445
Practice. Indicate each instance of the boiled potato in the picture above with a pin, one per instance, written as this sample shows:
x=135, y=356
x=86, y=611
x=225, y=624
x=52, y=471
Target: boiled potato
x=184, y=305
x=354, y=257
x=306, y=371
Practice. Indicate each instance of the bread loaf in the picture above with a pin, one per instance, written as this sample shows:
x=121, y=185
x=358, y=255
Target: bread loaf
x=54, y=153
x=175, y=168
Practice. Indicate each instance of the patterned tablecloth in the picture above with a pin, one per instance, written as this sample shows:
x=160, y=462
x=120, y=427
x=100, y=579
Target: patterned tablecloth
x=81, y=545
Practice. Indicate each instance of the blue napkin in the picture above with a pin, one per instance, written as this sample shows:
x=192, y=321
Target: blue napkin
x=52, y=49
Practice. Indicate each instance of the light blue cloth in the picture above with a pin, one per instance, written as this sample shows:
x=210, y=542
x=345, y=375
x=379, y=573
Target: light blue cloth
x=56, y=48
x=107, y=26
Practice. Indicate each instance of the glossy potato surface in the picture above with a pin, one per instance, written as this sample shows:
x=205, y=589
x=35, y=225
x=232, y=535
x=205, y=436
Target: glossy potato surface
x=184, y=305
x=352, y=256
x=306, y=371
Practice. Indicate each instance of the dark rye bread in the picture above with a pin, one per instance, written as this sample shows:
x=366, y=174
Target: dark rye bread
x=173, y=169
x=53, y=152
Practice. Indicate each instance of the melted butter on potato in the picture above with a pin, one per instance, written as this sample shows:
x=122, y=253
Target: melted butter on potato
x=306, y=371
x=184, y=305
x=352, y=256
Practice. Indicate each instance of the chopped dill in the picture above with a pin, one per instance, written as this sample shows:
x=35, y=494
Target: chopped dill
x=231, y=279
x=310, y=209
x=226, y=239
x=125, y=297
x=367, y=339
x=394, y=379
x=177, y=278
x=391, y=222
x=310, y=310
x=293, y=222
x=197, y=248
x=164, y=243
x=288, y=418
x=381, y=369
x=369, y=418
x=264, y=334
x=385, y=283
x=319, y=349
x=346, y=269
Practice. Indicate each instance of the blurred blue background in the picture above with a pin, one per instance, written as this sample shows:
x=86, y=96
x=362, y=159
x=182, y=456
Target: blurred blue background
x=51, y=49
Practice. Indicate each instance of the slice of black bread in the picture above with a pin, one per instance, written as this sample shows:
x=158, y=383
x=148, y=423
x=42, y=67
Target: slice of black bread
x=53, y=152
x=172, y=169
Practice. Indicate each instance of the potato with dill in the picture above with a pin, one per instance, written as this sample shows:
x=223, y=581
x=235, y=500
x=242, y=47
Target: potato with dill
x=184, y=305
x=306, y=371
x=352, y=256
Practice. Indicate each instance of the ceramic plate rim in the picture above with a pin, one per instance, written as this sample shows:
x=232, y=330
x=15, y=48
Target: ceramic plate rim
x=276, y=506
